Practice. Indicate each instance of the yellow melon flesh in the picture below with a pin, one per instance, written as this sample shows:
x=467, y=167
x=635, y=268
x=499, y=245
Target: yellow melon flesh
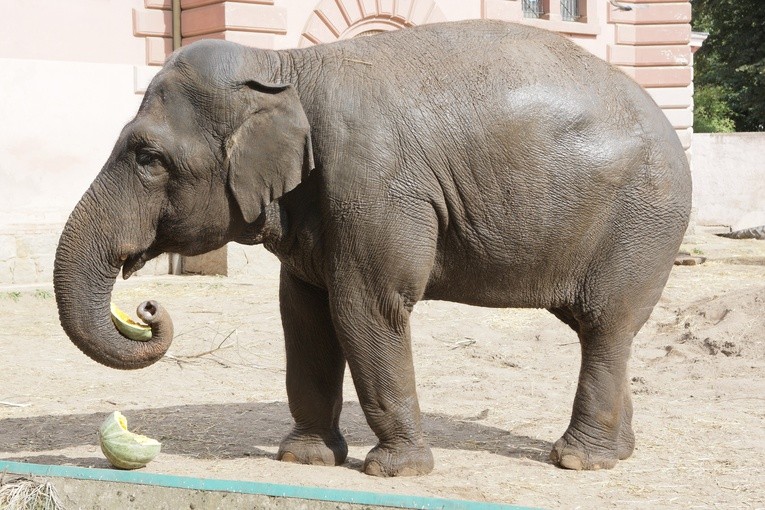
x=128, y=327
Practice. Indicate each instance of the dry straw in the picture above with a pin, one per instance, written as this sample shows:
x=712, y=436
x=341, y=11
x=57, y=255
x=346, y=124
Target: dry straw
x=25, y=494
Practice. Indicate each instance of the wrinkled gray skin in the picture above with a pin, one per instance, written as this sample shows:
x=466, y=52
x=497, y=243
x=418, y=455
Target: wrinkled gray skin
x=478, y=162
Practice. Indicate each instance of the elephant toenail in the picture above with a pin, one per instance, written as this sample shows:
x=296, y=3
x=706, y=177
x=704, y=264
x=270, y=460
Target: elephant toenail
x=571, y=462
x=374, y=468
x=289, y=457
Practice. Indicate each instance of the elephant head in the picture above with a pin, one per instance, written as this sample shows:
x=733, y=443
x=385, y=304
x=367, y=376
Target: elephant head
x=214, y=141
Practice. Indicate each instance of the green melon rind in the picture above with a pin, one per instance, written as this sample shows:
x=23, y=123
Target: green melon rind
x=124, y=449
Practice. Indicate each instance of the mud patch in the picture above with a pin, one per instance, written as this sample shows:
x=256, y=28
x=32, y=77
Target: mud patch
x=728, y=325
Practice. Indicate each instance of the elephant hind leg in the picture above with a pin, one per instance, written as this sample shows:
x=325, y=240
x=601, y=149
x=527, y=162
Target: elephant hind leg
x=625, y=442
x=615, y=299
x=600, y=432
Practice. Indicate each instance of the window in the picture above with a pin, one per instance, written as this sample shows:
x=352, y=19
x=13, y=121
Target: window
x=569, y=10
x=566, y=16
x=533, y=8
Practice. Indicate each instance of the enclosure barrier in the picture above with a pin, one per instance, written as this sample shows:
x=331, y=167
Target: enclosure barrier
x=244, y=487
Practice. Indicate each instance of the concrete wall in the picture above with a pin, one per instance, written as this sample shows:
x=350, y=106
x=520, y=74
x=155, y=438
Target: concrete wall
x=729, y=179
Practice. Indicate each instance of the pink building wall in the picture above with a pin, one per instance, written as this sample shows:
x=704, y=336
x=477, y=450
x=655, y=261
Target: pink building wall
x=650, y=42
x=95, y=31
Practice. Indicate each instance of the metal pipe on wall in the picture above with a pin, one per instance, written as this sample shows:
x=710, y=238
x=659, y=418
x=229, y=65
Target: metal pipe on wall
x=177, y=36
x=175, y=260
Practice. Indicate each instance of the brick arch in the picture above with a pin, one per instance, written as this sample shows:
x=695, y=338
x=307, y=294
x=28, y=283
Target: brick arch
x=332, y=20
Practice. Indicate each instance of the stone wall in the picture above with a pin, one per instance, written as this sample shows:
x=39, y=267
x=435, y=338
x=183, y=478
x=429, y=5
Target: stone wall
x=26, y=254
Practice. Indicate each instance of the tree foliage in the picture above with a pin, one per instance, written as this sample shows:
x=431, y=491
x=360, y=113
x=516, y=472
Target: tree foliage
x=729, y=69
x=711, y=113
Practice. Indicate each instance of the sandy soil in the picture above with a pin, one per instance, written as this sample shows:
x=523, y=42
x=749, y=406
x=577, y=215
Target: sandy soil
x=495, y=386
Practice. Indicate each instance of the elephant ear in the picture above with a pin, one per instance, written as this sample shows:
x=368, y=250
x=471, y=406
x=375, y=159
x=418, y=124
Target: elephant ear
x=270, y=152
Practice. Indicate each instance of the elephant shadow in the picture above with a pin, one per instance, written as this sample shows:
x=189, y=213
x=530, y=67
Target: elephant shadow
x=231, y=431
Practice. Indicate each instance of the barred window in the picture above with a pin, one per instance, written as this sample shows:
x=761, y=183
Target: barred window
x=533, y=8
x=566, y=16
x=569, y=10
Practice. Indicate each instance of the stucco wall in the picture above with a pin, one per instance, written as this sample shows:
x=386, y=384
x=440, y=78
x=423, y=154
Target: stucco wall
x=59, y=122
x=71, y=30
x=57, y=131
x=71, y=72
x=729, y=179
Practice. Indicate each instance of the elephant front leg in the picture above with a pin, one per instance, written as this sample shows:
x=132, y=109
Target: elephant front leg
x=315, y=367
x=376, y=340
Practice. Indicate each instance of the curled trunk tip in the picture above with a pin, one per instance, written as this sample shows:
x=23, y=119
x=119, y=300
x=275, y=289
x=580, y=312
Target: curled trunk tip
x=88, y=260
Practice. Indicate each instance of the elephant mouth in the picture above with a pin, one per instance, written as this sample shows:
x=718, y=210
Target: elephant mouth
x=136, y=261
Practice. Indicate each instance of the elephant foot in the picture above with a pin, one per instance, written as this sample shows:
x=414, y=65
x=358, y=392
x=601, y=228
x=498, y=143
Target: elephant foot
x=571, y=455
x=625, y=445
x=409, y=461
x=313, y=449
x=570, y=452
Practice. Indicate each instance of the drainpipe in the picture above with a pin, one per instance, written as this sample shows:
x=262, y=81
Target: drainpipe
x=177, y=41
x=176, y=261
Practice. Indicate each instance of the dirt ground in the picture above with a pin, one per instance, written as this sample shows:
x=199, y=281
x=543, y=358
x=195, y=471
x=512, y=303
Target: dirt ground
x=495, y=386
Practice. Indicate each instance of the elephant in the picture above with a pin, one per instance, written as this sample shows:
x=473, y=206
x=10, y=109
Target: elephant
x=480, y=162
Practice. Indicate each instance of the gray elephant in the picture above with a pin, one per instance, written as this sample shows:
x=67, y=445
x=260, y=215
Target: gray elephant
x=481, y=162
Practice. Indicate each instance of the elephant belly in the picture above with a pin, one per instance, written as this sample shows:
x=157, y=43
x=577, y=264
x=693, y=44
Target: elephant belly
x=496, y=291
x=508, y=277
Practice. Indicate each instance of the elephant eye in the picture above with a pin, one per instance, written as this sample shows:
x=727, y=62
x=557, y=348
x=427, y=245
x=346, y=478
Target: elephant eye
x=146, y=158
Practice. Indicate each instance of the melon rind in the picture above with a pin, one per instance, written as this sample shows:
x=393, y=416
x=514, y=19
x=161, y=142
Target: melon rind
x=124, y=449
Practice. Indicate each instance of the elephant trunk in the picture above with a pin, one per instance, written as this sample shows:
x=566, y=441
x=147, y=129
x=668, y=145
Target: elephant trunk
x=88, y=260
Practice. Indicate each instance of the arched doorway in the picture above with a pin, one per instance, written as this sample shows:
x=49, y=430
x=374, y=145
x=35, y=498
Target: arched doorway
x=332, y=20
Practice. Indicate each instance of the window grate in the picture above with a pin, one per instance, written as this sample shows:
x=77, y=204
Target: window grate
x=569, y=10
x=533, y=8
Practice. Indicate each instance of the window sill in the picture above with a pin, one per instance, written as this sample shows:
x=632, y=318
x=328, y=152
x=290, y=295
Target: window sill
x=565, y=27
